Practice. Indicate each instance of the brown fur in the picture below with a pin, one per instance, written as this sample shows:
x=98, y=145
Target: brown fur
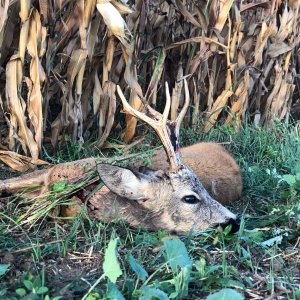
x=216, y=169
x=148, y=198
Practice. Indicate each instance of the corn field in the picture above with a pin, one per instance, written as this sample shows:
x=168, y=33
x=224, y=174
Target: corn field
x=60, y=62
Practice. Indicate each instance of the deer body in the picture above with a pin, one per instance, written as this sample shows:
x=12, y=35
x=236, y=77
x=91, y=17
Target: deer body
x=147, y=209
x=171, y=198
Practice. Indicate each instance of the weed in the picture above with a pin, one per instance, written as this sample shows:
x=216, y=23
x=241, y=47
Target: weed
x=86, y=258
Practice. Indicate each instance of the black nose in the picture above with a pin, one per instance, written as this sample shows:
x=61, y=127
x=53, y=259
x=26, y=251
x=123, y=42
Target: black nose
x=235, y=224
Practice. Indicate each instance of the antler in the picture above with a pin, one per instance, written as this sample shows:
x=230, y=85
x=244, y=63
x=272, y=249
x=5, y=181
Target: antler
x=168, y=131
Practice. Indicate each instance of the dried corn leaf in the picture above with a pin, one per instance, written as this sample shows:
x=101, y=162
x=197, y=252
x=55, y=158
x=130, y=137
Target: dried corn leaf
x=3, y=13
x=224, y=8
x=186, y=13
x=109, y=91
x=122, y=8
x=37, y=76
x=24, y=15
x=19, y=162
x=97, y=93
x=196, y=101
x=217, y=108
x=92, y=36
x=286, y=24
x=234, y=38
x=261, y=43
x=114, y=21
x=77, y=62
x=240, y=104
x=18, y=107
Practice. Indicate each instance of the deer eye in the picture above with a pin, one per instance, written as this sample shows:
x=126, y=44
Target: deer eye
x=191, y=199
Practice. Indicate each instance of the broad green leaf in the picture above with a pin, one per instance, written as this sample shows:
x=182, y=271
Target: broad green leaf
x=111, y=266
x=59, y=186
x=289, y=179
x=21, y=292
x=226, y=294
x=176, y=254
x=150, y=293
x=227, y=229
x=4, y=268
x=113, y=292
x=28, y=284
x=93, y=296
x=42, y=290
x=173, y=295
x=137, y=268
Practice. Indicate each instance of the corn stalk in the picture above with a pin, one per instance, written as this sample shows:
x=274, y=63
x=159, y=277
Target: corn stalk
x=61, y=60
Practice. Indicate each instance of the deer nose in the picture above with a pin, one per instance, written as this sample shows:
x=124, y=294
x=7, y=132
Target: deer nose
x=235, y=224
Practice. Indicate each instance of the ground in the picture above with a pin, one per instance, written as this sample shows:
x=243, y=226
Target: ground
x=54, y=258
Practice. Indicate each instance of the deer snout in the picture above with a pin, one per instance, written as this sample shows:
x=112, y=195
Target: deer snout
x=234, y=222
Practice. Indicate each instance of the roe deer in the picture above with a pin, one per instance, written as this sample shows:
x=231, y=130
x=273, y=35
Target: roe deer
x=172, y=199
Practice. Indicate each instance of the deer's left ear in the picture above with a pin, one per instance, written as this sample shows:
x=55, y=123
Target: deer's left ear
x=123, y=182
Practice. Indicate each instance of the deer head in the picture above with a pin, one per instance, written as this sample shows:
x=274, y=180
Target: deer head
x=174, y=200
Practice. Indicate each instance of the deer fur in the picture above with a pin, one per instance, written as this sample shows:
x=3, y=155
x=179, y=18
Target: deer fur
x=172, y=197
x=214, y=166
x=217, y=170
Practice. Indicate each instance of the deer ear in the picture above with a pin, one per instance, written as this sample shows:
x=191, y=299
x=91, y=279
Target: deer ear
x=123, y=182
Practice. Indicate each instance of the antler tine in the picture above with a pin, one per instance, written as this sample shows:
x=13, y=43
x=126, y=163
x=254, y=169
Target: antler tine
x=129, y=109
x=184, y=109
x=167, y=107
x=160, y=125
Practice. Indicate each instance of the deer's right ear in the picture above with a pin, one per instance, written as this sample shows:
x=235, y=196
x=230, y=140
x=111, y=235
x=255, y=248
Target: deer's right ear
x=123, y=182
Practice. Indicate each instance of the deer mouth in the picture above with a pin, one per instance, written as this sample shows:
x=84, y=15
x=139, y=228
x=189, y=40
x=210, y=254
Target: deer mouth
x=235, y=224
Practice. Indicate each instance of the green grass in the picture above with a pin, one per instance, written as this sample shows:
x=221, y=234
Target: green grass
x=67, y=259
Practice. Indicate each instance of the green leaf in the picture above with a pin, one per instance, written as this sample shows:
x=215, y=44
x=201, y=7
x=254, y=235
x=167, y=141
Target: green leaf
x=226, y=294
x=272, y=241
x=289, y=179
x=21, y=292
x=28, y=284
x=184, y=280
x=4, y=268
x=42, y=290
x=150, y=293
x=297, y=294
x=3, y=292
x=176, y=254
x=94, y=296
x=201, y=266
x=227, y=230
x=137, y=268
x=59, y=186
x=113, y=292
x=111, y=266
